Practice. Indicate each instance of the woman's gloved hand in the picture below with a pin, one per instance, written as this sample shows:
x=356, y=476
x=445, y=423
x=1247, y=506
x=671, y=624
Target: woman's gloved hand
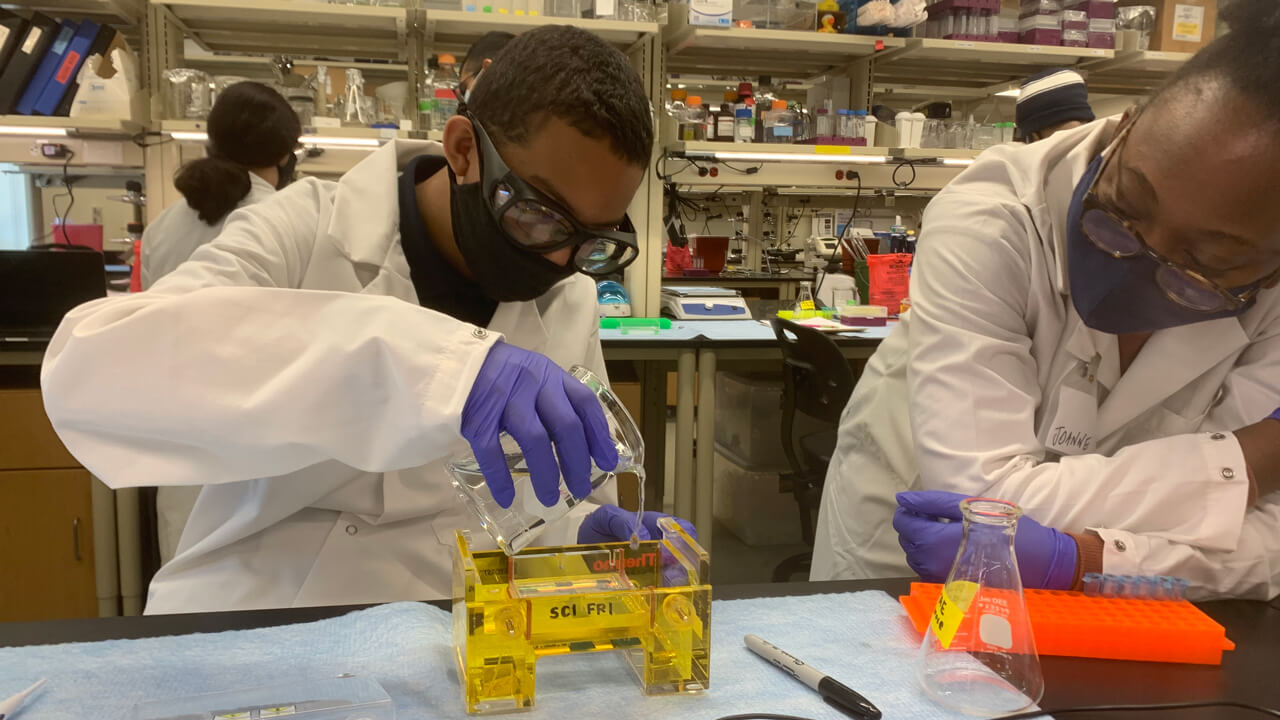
x=532, y=399
x=1046, y=557
x=610, y=523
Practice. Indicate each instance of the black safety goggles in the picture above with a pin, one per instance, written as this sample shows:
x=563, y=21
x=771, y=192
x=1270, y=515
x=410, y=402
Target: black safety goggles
x=535, y=222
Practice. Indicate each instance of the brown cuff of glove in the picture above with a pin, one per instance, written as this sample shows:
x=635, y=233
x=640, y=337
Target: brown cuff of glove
x=1089, y=550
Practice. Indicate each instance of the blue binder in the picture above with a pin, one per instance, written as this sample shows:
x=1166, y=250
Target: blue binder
x=48, y=66
x=65, y=74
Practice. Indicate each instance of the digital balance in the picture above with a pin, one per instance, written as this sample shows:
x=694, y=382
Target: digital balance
x=704, y=303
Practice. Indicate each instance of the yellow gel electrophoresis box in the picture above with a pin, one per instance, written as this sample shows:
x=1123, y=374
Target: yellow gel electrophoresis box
x=652, y=603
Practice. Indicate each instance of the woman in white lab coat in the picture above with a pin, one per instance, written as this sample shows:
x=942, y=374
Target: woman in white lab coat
x=313, y=368
x=252, y=136
x=1095, y=335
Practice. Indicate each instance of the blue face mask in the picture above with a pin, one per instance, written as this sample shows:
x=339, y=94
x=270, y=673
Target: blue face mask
x=1120, y=295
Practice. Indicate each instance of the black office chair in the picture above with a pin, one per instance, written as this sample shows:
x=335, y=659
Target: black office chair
x=816, y=381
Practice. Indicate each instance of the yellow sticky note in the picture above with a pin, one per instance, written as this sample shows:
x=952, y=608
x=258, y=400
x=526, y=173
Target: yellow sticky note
x=832, y=150
x=806, y=305
x=949, y=613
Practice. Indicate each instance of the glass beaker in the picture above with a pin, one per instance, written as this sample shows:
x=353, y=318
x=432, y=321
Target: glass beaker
x=515, y=527
x=979, y=655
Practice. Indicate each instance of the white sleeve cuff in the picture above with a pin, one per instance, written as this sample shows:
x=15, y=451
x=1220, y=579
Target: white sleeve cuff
x=1122, y=552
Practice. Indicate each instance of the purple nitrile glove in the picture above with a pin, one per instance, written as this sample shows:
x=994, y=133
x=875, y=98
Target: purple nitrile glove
x=533, y=400
x=1046, y=557
x=610, y=523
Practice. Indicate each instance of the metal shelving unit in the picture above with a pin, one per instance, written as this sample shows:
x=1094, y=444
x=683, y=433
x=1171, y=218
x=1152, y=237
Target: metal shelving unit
x=818, y=169
x=291, y=27
x=1136, y=71
x=454, y=30
x=781, y=53
x=971, y=69
x=99, y=144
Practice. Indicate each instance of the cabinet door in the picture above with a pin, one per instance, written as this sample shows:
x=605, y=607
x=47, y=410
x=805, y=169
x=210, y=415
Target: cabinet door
x=46, y=545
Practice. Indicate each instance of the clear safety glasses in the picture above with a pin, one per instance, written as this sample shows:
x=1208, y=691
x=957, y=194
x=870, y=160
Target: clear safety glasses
x=535, y=222
x=1117, y=237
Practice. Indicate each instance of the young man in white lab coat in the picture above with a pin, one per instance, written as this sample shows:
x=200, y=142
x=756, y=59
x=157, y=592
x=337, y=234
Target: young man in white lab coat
x=318, y=363
x=1095, y=335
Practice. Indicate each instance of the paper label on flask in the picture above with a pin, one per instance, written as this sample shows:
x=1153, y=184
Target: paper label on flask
x=948, y=614
x=1188, y=23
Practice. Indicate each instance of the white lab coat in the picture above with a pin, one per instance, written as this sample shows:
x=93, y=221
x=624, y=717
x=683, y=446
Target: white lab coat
x=175, y=235
x=962, y=394
x=167, y=243
x=289, y=368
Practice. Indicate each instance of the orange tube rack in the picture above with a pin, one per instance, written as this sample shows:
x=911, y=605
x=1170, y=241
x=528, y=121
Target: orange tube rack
x=1073, y=624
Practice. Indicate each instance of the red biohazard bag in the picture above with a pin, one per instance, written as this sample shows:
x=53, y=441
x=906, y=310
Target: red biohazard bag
x=890, y=277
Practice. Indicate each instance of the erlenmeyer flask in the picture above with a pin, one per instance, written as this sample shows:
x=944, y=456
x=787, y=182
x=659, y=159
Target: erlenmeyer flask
x=979, y=655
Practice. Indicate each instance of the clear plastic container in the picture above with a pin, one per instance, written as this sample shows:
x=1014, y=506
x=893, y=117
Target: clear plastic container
x=342, y=697
x=187, y=94
x=694, y=126
x=779, y=124
x=514, y=528
x=984, y=136
x=858, y=126
x=566, y=8
x=445, y=106
x=825, y=122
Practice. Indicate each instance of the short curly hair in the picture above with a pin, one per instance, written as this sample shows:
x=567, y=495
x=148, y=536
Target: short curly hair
x=568, y=73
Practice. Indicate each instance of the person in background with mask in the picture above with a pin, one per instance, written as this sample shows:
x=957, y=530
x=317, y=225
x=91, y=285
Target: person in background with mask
x=1095, y=336
x=252, y=136
x=479, y=57
x=1052, y=100
x=318, y=364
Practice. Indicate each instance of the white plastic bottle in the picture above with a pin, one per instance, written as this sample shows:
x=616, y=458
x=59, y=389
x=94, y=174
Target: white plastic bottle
x=871, y=124
x=902, y=121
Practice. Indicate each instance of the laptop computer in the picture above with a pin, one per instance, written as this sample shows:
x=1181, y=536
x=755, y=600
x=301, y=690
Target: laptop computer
x=38, y=287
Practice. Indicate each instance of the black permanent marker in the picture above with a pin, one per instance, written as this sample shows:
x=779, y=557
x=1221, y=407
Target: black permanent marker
x=838, y=695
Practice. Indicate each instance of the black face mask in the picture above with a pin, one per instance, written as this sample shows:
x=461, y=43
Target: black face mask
x=503, y=271
x=286, y=171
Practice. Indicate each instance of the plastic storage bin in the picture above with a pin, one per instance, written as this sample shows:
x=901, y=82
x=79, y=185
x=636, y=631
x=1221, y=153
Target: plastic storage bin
x=1102, y=40
x=751, y=505
x=1075, y=20
x=1075, y=38
x=1039, y=7
x=1095, y=9
x=1040, y=30
x=749, y=422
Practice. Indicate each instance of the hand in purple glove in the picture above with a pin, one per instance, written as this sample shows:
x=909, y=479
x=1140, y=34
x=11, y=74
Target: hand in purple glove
x=1046, y=557
x=610, y=523
x=532, y=399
